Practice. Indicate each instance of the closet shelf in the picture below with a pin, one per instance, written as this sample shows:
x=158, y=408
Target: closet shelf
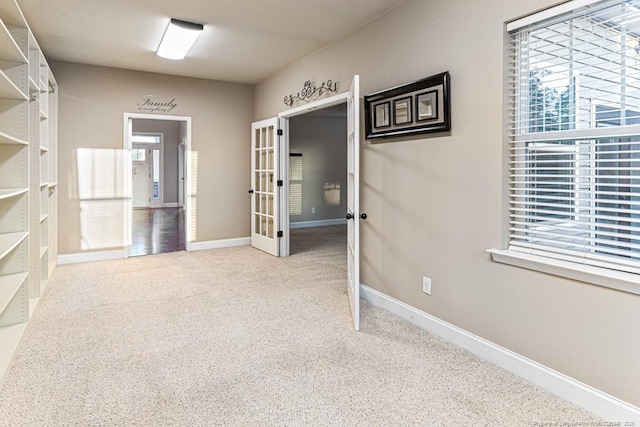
x=6, y=193
x=43, y=251
x=33, y=86
x=10, y=284
x=44, y=150
x=10, y=337
x=43, y=217
x=9, y=49
x=11, y=14
x=5, y=138
x=9, y=241
x=8, y=89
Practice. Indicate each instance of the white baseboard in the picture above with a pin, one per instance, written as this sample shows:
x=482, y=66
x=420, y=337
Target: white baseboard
x=172, y=205
x=319, y=223
x=89, y=257
x=593, y=400
x=217, y=244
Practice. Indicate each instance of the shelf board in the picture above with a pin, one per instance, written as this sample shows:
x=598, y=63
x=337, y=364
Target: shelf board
x=44, y=150
x=6, y=193
x=43, y=251
x=11, y=14
x=44, y=87
x=10, y=284
x=9, y=241
x=9, y=49
x=43, y=115
x=7, y=139
x=10, y=337
x=43, y=217
x=44, y=184
x=9, y=90
x=33, y=86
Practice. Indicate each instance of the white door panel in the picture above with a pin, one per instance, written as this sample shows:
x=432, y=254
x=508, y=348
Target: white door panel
x=140, y=174
x=265, y=207
x=353, y=200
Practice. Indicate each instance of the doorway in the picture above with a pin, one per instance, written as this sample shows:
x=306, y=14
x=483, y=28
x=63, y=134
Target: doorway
x=317, y=177
x=156, y=174
x=270, y=185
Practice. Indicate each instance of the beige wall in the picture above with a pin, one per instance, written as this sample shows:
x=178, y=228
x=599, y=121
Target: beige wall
x=171, y=139
x=435, y=204
x=93, y=101
x=322, y=140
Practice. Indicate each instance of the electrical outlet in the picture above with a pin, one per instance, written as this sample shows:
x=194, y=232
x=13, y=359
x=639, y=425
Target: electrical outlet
x=313, y=209
x=426, y=285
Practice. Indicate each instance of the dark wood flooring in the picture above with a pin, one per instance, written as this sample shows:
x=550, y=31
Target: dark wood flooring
x=157, y=231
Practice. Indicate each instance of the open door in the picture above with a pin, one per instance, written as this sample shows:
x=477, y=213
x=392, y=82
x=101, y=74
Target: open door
x=264, y=191
x=353, y=200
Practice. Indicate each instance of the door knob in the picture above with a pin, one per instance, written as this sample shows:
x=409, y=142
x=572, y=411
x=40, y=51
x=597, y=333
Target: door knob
x=349, y=216
x=250, y=191
x=363, y=216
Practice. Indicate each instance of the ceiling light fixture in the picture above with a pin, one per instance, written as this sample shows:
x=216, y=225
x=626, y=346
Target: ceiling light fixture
x=178, y=39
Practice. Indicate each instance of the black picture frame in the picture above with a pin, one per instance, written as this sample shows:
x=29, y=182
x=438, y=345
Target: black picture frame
x=426, y=105
x=429, y=102
x=382, y=115
x=402, y=115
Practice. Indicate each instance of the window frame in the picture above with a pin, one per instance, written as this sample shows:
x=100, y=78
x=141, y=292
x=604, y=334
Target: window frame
x=615, y=278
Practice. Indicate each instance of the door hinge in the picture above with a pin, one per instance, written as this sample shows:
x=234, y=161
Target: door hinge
x=280, y=183
x=280, y=234
x=280, y=132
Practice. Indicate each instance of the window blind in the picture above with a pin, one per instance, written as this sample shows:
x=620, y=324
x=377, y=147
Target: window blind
x=573, y=103
x=295, y=184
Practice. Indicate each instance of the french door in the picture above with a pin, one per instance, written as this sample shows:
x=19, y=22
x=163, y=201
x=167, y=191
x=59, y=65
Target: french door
x=353, y=200
x=264, y=191
x=266, y=196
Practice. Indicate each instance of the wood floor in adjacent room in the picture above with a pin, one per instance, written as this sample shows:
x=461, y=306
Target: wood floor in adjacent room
x=235, y=337
x=157, y=231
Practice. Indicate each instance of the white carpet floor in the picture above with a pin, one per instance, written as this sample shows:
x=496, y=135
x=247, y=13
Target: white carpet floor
x=235, y=337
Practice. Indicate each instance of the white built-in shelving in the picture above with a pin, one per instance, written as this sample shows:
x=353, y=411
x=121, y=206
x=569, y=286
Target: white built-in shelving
x=28, y=173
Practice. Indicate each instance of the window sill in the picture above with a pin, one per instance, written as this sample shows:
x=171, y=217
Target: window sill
x=621, y=281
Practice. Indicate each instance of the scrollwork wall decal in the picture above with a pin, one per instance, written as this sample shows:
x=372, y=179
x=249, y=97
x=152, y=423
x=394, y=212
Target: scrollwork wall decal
x=310, y=92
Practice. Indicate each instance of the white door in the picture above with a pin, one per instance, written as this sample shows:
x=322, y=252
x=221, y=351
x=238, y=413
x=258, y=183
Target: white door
x=353, y=200
x=181, y=175
x=264, y=186
x=141, y=176
x=155, y=158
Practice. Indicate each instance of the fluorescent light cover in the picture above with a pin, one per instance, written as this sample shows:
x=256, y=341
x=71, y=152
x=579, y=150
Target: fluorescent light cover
x=178, y=39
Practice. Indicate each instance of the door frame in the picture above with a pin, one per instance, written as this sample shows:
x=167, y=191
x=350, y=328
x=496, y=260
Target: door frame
x=127, y=177
x=341, y=98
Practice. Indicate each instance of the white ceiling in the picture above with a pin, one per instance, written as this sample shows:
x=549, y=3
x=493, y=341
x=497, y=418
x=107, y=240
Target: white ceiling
x=244, y=41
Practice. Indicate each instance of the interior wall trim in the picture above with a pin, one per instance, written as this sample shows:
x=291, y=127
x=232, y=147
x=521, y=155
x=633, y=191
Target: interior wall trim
x=593, y=400
x=319, y=223
x=217, y=244
x=89, y=257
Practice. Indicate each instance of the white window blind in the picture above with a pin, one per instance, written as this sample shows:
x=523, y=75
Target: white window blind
x=574, y=128
x=295, y=184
